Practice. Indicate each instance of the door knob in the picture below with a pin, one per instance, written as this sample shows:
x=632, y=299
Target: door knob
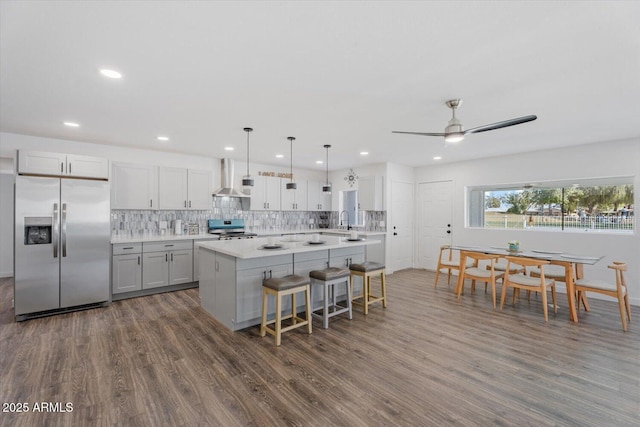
x=395, y=234
x=448, y=231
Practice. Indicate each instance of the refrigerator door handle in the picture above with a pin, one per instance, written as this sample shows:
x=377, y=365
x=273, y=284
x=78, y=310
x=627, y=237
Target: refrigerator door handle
x=64, y=230
x=55, y=230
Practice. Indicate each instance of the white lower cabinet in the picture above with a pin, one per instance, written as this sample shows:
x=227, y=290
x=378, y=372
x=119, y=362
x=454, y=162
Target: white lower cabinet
x=231, y=289
x=126, y=268
x=306, y=262
x=155, y=270
x=344, y=257
x=166, y=263
x=376, y=253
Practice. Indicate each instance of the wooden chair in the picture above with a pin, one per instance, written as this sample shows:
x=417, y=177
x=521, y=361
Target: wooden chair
x=616, y=290
x=529, y=283
x=559, y=274
x=447, y=261
x=487, y=275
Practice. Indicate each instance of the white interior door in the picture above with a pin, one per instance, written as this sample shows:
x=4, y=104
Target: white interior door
x=434, y=221
x=402, y=231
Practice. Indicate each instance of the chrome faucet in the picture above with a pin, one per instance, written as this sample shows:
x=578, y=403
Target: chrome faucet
x=348, y=225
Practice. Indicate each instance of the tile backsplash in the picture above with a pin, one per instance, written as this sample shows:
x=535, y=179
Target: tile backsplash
x=135, y=223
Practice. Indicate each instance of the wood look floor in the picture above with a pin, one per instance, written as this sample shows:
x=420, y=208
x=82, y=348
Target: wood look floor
x=426, y=360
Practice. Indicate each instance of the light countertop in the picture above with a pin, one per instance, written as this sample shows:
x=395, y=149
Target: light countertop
x=167, y=237
x=254, y=248
x=321, y=230
x=204, y=236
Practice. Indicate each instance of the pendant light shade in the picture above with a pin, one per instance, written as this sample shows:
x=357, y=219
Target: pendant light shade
x=327, y=187
x=247, y=181
x=291, y=185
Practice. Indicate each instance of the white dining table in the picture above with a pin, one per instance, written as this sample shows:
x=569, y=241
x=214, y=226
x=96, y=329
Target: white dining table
x=572, y=263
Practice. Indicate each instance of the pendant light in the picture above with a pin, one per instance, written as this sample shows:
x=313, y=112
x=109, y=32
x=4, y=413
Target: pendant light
x=327, y=188
x=291, y=185
x=247, y=181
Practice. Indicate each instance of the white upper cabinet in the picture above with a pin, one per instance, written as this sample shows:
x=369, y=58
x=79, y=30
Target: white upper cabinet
x=200, y=189
x=293, y=200
x=137, y=186
x=173, y=188
x=60, y=164
x=265, y=194
x=316, y=199
x=134, y=186
x=371, y=193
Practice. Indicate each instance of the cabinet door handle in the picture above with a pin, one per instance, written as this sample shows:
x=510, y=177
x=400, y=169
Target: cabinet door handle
x=171, y=256
x=189, y=203
x=61, y=167
x=166, y=257
x=185, y=203
x=150, y=203
x=168, y=246
x=69, y=168
x=127, y=248
x=138, y=259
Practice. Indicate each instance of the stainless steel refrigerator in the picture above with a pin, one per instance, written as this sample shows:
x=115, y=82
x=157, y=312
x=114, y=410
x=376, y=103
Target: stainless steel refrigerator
x=61, y=248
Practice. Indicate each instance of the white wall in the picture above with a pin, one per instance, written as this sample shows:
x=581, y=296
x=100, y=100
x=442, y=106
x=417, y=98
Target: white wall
x=608, y=159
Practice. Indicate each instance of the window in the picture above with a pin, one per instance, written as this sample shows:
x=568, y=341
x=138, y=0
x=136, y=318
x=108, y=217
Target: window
x=594, y=204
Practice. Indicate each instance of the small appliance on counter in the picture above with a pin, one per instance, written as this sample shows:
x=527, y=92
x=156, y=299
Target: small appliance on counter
x=177, y=226
x=229, y=229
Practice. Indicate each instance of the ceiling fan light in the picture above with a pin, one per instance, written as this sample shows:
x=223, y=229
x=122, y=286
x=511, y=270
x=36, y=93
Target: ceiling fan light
x=454, y=137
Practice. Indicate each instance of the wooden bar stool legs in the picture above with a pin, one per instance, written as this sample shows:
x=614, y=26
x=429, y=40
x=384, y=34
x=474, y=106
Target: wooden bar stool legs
x=279, y=288
x=367, y=270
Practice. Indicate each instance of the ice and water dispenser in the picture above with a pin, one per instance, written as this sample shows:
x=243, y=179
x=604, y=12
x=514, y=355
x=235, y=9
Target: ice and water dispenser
x=37, y=230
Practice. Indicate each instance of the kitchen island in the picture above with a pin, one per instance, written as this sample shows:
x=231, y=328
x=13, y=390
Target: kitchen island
x=232, y=271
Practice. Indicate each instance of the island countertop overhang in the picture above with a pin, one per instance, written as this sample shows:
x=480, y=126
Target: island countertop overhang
x=252, y=248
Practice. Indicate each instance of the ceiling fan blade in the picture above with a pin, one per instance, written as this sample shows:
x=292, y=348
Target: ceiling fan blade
x=419, y=133
x=502, y=124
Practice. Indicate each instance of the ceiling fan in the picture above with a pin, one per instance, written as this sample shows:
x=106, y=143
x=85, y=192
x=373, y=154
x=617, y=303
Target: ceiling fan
x=454, y=132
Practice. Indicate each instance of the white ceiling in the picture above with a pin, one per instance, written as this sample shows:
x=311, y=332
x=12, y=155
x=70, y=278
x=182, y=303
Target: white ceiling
x=340, y=73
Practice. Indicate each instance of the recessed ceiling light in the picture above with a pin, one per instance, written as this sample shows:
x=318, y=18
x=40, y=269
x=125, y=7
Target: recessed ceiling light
x=437, y=158
x=163, y=138
x=228, y=148
x=112, y=74
x=364, y=153
x=319, y=162
x=279, y=156
x=71, y=124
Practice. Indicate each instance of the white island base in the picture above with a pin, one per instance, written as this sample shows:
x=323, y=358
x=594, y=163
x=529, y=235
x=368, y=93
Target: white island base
x=232, y=271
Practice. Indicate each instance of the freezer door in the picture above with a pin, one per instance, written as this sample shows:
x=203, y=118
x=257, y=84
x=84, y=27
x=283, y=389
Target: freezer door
x=85, y=233
x=36, y=257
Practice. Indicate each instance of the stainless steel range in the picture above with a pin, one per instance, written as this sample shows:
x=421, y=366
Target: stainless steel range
x=229, y=229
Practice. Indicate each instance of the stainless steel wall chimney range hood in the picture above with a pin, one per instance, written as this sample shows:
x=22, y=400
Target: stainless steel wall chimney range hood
x=227, y=189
